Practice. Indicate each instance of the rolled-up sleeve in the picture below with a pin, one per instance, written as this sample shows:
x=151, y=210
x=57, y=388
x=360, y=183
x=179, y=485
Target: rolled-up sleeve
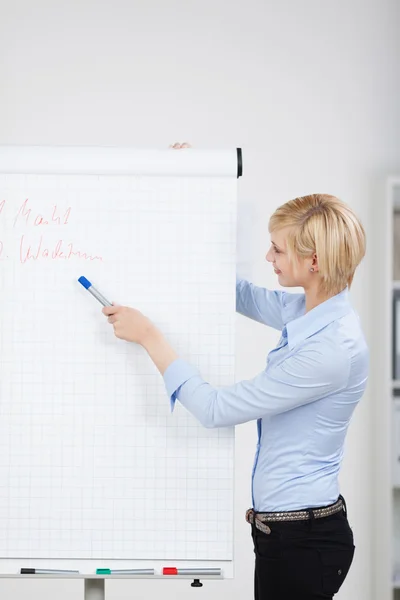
x=314, y=372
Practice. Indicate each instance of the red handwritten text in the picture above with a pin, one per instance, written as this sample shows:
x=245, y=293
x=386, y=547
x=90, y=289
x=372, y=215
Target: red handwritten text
x=2, y=203
x=26, y=213
x=61, y=250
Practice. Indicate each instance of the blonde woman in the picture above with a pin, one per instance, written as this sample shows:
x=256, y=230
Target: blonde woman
x=303, y=400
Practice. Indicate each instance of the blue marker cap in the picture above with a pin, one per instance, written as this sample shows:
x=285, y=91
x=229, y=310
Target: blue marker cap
x=85, y=282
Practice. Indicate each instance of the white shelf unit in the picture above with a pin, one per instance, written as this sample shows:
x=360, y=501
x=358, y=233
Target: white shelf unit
x=386, y=395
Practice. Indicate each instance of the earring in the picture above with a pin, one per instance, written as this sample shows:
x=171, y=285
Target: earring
x=312, y=269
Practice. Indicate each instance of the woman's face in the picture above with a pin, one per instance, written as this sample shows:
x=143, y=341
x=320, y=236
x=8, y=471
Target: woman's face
x=290, y=274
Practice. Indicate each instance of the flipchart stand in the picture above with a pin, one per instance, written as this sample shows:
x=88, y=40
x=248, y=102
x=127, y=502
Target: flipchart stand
x=94, y=585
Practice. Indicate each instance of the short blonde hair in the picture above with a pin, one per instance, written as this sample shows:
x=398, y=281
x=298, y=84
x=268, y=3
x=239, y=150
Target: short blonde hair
x=323, y=225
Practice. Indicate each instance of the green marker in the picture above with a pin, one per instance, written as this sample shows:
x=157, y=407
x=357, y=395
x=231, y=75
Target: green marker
x=124, y=571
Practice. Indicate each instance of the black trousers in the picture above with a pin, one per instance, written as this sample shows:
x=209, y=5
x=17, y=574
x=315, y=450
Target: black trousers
x=302, y=560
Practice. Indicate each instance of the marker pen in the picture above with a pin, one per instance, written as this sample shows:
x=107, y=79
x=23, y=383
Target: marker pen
x=90, y=288
x=193, y=572
x=124, y=571
x=46, y=571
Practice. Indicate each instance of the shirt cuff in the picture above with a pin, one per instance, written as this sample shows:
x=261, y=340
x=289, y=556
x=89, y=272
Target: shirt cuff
x=175, y=376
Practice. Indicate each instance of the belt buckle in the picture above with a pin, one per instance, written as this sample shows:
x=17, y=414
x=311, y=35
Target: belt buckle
x=251, y=518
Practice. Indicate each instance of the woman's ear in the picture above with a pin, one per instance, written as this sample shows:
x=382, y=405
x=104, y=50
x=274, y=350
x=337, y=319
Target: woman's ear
x=314, y=265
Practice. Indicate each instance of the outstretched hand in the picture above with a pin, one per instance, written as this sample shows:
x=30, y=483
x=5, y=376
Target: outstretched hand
x=129, y=324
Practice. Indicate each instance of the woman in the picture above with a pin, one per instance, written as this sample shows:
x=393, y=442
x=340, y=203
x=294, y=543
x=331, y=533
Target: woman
x=303, y=400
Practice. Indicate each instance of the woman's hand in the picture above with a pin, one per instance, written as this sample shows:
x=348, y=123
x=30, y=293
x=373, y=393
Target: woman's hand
x=179, y=146
x=129, y=324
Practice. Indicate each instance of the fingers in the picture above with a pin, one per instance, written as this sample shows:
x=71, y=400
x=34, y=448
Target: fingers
x=179, y=146
x=116, y=327
x=115, y=323
x=110, y=310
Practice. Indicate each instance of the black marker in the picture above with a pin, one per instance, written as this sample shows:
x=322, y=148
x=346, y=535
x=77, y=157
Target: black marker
x=45, y=571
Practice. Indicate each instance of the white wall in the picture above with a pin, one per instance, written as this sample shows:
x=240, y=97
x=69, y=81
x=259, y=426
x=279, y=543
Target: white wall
x=311, y=92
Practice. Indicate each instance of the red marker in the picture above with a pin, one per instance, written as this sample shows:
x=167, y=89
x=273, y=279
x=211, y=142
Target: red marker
x=191, y=572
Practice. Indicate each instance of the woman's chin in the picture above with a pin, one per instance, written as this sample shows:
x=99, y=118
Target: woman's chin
x=283, y=281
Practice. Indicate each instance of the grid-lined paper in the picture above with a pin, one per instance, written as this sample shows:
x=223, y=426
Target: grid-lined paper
x=92, y=463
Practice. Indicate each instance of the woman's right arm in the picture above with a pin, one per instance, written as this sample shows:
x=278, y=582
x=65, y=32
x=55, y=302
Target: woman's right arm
x=259, y=304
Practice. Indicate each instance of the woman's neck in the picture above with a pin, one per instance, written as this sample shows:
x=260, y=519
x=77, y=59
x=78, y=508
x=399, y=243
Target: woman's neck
x=314, y=297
